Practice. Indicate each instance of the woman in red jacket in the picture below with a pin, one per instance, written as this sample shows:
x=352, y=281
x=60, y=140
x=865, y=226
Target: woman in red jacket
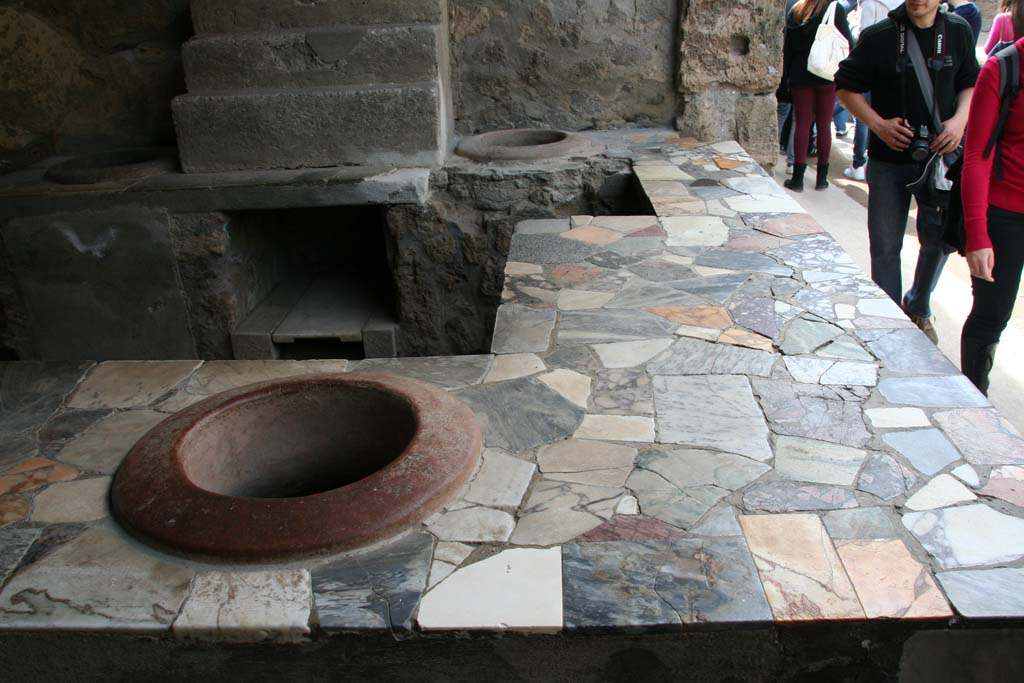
x=994, y=218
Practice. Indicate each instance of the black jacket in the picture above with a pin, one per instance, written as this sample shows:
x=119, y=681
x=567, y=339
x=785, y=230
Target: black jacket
x=874, y=66
x=796, y=47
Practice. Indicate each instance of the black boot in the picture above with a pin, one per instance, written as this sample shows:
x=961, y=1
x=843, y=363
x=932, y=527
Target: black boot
x=822, y=182
x=796, y=183
x=976, y=361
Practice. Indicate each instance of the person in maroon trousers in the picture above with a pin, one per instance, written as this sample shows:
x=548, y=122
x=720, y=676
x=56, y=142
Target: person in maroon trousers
x=993, y=218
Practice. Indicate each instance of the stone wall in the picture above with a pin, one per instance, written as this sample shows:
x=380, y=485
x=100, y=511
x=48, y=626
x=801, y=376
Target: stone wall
x=729, y=67
x=574, y=64
x=80, y=76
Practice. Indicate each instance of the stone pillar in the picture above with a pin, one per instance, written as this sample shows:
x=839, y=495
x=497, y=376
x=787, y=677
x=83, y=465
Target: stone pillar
x=729, y=67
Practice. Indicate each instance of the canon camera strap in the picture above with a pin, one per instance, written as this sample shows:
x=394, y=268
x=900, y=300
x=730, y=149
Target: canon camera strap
x=906, y=55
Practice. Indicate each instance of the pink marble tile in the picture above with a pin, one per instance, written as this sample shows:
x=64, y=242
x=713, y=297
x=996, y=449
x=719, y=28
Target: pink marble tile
x=759, y=243
x=632, y=529
x=573, y=273
x=592, y=235
x=983, y=436
x=1006, y=483
x=789, y=226
x=737, y=336
x=653, y=231
x=890, y=582
x=35, y=473
x=801, y=572
x=714, y=317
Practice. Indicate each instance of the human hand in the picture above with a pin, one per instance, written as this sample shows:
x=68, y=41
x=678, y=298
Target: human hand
x=895, y=133
x=949, y=139
x=981, y=263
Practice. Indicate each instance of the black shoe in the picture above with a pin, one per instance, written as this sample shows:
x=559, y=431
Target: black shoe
x=796, y=183
x=976, y=361
x=822, y=181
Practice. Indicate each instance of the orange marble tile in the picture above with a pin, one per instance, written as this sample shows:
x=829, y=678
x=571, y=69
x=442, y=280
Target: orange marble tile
x=592, y=235
x=13, y=509
x=714, y=317
x=737, y=336
x=890, y=582
x=801, y=572
x=789, y=226
x=33, y=474
x=729, y=164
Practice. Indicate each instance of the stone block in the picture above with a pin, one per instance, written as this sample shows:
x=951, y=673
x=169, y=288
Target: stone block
x=736, y=45
x=232, y=16
x=326, y=57
x=725, y=114
x=398, y=126
x=100, y=285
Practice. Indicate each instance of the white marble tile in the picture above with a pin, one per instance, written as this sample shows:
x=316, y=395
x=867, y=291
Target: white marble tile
x=661, y=173
x=616, y=428
x=816, y=461
x=516, y=268
x=103, y=446
x=703, y=333
x=439, y=571
x=579, y=300
x=452, y=553
x=851, y=375
x=96, y=582
x=473, y=525
x=967, y=475
x=502, y=480
x=627, y=505
x=845, y=311
x=630, y=354
x=763, y=203
x=728, y=147
x=84, y=500
x=807, y=370
x=968, y=536
x=897, y=418
x=248, y=607
x=514, y=366
x=880, y=308
x=695, y=231
x=573, y=386
x=940, y=492
x=515, y=590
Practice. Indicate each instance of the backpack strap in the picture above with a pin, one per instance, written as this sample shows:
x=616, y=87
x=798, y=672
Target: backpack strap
x=1009, y=86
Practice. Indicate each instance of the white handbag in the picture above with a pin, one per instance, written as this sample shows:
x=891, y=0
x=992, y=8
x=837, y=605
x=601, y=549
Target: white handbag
x=829, y=48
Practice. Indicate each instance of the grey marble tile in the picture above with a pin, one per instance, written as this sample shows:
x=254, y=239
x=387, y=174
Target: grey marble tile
x=14, y=543
x=378, y=590
x=862, y=523
x=812, y=411
x=844, y=348
x=598, y=327
x=661, y=499
x=521, y=329
x=30, y=392
x=640, y=294
x=612, y=260
x=882, y=476
x=816, y=302
x=557, y=512
x=968, y=536
x=928, y=450
x=711, y=411
x=689, y=467
x=642, y=247
x=655, y=270
x=818, y=462
x=661, y=583
x=543, y=226
x=716, y=288
x=521, y=414
x=933, y=392
x=549, y=249
x=984, y=593
x=722, y=520
x=792, y=496
x=732, y=259
x=908, y=352
x=450, y=372
x=696, y=357
x=755, y=311
x=806, y=335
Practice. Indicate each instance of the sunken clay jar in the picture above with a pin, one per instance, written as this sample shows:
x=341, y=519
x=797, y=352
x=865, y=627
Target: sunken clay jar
x=295, y=468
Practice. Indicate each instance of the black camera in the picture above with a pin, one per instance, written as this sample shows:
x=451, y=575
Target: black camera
x=919, y=146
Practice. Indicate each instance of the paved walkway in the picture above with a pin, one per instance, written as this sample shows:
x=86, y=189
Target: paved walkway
x=842, y=210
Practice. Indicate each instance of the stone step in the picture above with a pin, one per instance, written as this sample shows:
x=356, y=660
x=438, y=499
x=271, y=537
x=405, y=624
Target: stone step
x=338, y=56
x=395, y=126
x=231, y=16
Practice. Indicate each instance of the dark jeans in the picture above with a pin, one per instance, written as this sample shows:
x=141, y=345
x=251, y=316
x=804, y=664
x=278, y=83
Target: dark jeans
x=993, y=301
x=888, y=207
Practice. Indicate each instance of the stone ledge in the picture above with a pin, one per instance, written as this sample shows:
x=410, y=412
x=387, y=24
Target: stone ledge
x=231, y=16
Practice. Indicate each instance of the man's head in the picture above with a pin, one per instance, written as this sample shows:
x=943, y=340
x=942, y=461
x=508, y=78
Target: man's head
x=922, y=12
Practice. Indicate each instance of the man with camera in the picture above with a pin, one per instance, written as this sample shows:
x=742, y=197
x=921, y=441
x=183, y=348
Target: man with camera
x=904, y=135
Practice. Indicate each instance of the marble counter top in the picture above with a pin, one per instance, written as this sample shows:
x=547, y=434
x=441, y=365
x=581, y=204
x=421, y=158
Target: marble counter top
x=703, y=418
